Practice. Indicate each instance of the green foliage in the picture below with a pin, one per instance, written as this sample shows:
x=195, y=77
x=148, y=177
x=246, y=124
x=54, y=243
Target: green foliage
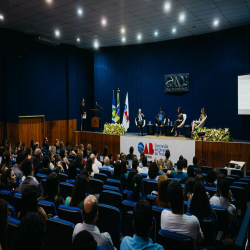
x=213, y=134
x=114, y=129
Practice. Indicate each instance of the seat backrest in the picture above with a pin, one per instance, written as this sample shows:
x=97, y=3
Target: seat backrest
x=115, y=183
x=244, y=185
x=152, y=185
x=183, y=122
x=201, y=125
x=48, y=206
x=157, y=215
x=125, y=194
x=208, y=229
x=102, y=177
x=62, y=177
x=109, y=220
x=237, y=172
x=171, y=240
x=96, y=185
x=12, y=211
x=151, y=198
x=111, y=198
x=230, y=179
x=59, y=234
x=205, y=169
x=105, y=171
x=66, y=189
x=246, y=180
x=39, y=177
x=71, y=214
x=12, y=228
x=71, y=181
x=211, y=191
x=17, y=200
x=7, y=196
x=223, y=217
x=239, y=194
x=223, y=171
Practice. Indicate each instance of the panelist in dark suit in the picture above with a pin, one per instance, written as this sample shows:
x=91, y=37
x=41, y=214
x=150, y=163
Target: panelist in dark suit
x=83, y=114
x=178, y=121
x=159, y=120
x=139, y=119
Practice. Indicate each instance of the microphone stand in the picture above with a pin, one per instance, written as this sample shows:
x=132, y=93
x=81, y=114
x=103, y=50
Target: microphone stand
x=100, y=115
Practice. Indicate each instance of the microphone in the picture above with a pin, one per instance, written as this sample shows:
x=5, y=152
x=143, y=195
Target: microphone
x=96, y=103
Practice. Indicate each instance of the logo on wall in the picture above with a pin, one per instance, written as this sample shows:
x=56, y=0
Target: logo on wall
x=148, y=150
x=177, y=83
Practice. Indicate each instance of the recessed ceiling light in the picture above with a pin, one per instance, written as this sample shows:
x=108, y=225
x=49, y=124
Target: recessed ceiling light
x=78, y=39
x=174, y=30
x=156, y=33
x=96, y=45
x=104, y=22
x=124, y=39
x=1, y=17
x=122, y=30
x=57, y=33
x=139, y=37
x=182, y=17
x=216, y=22
x=79, y=12
x=49, y=1
x=167, y=6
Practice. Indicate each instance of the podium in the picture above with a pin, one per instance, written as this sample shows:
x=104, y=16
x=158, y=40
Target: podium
x=95, y=121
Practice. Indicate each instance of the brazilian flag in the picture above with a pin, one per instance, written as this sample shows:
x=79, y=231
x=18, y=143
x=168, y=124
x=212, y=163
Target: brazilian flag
x=118, y=108
x=113, y=109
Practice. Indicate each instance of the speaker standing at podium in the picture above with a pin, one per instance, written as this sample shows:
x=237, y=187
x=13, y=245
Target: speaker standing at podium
x=83, y=114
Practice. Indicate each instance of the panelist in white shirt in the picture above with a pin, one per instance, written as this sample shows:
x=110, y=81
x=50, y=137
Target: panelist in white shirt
x=139, y=119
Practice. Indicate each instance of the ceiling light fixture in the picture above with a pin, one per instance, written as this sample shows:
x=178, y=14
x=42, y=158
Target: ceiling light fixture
x=182, y=17
x=49, y=1
x=174, y=30
x=57, y=33
x=96, y=45
x=156, y=33
x=167, y=6
x=139, y=37
x=122, y=30
x=124, y=39
x=78, y=39
x=216, y=22
x=1, y=17
x=104, y=22
x=79, y=12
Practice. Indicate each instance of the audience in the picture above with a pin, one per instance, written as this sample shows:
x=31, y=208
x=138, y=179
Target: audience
x=136, y=194
x=135, y=164
x=142, y=155
x=107, y=164
x=52, y=190
x=57, y=144
x=5, y=163
x=131, y=174
x=90, y=215
x=190, y=171
x=110, y=156
x=45, y=166
x=81, y=188
x=162, y=197
x=37, y=160
x=175, y=220
x=3, y=224
x=89, y=169
x=184, y=162
x=143, y=223
x=77, y=163
x=94, y=167
x=195, y=161
x=45, y=143
x=97, y=163
x=179, y=173
x=8, y=181
x=63, y=154
x=17, y=167
x=131, y=155
x=199, y=177
x=118, y=175
x=105, y=151
x=161, y=165
x=124, y=169
x=153, y=171
x=28, y=153
x=30, y=180
x=189, y=189
x=144, y=168
x=169, y=163
x=84, y=240
x=211, y=176
x=89, y=150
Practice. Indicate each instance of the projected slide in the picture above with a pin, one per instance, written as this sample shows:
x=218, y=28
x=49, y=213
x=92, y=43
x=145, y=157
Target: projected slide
x=244, y=95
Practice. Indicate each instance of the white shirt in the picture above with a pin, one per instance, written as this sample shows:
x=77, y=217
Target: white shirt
x=181, y=224
x=95, y=169
x=98, y=164
x=223, y=202
x=143, y=170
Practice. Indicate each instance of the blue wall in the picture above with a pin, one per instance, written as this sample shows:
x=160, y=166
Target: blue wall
x=37, y=79
x=214, y=62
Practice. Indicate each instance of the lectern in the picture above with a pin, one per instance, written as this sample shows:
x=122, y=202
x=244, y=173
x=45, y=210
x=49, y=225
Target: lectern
x=95, y=120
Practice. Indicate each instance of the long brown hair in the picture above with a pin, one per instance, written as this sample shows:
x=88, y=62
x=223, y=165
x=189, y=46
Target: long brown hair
x=204, y=111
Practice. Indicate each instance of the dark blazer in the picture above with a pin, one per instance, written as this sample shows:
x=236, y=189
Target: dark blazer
x=46, y=146
x=163, y=116
x=83, y=109
x=36, y=165
x=57, y=147
x=137, y=117
x=130, y=156
x=31, y=182
x=47, y=171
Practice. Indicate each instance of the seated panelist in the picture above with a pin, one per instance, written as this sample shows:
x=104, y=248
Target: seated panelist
x=159, y=120
x=202, y=117
x=178, y=121
x=139, y=119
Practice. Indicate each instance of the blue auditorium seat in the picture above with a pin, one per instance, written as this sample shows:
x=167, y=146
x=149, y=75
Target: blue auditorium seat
x=247, y=180
x=59, y=234
x=223, y=217
x=231, y=180
x=109, y=220
x=223, y=171
x=12, y=228
x=111, y=188
x=151, y=185
x=244, y=185
x=17, y=201
x=96, y=185
x=62, y=177
x=171, y=240
x=211, y=191
x=236, y=177
x=115, y=183
x=143, y=175
x=125, y=194
x=66, y=189
x=48, y=206
x=12, y=211
x=151, y=198
x=71, y=214
x=206, y=169
x=39, y=177
x=186, y=204
x=71, y=181
x=102, y=177
x=111, y=198
x=7, y=196
x=237, y=172
x=105, y=171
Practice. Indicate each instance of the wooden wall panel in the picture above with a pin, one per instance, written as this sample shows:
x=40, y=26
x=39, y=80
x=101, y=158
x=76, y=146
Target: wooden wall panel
x=99, y=141
x=218, y=154
x=12, y=133
x=62, y=130
x=31, y=128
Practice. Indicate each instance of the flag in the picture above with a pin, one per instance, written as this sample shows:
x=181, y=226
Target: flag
x=125, y=119
x=113, y=109
x=118, y=108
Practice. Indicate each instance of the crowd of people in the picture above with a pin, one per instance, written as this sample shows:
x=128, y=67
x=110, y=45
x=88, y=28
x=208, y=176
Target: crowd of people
x=20, y=166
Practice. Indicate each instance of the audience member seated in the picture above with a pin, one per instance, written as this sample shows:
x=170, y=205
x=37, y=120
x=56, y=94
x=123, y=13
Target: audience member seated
x=184, y=162
x=189, y=189
x=53, y=152
x=8, y=181
x=153, y=171
x=162, y=197
x=17, y=167
x=131, y=155
x=89, y=169
x=199, y=177
x=81, y=188
x=107, y=164
x=94, y=167
x=52, y=190
x=30, y=233
x=190, y=171
x=63, y=154
x=30, y=180
x=143, y=223
x=175, y=220
x=135, y=164
x=161, y=165
x=144, y=168
x=59, y=164
x=195, y=161
x=136, y=194
x=169, y=163
x=179, y=173
x=90, y=215
x=57, y=144
x=77, y=163
x=224, y=198
x=45, y=143
x=110, y=156
x=142, y=155
x=45, y=166
x=211, y=176
x=118, y=158
x=97, y=163
x=3, y=224
x=89, y=150
x=28, y=153
x=84, y=240
x=117, y=175
x=124, y=169
x=37, y=160
x=5, y=163
x=61, y=145
x=105, y=151
x=131, y=174
x=200, y=206
x=29, y=203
